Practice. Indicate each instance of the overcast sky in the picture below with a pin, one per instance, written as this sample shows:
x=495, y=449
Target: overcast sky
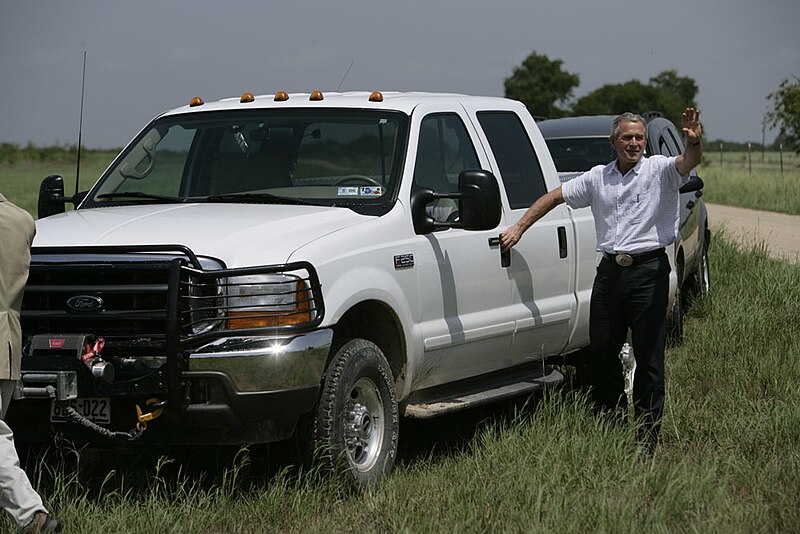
x=147, y=56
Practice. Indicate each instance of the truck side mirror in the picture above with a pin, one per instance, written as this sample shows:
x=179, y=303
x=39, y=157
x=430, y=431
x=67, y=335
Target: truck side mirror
x=479, y=204
x=695, y=183
x=480, y=200
x=423, y=223
x=51, y=196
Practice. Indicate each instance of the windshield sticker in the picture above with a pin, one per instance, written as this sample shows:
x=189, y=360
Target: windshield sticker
x=350, y=191
x=375, y=191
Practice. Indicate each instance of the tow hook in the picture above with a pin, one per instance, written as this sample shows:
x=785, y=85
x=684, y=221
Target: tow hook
x=142, y=418
x=99, y=367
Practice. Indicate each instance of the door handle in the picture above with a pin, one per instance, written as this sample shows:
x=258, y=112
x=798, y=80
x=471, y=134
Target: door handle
x=562, y=242
x=690, y=204
x=505, y=256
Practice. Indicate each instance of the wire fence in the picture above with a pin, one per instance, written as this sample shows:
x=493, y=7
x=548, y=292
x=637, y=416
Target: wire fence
x=754, y=158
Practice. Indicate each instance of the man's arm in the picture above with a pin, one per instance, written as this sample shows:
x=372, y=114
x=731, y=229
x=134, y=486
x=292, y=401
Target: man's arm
x=693, y=155
x=539, y=209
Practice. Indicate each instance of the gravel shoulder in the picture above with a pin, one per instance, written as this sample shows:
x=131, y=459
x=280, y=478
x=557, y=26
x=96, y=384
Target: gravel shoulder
x=780, y=232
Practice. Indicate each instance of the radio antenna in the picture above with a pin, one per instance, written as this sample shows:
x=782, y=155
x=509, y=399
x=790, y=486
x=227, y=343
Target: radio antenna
x=345, y=75
x=80, y=127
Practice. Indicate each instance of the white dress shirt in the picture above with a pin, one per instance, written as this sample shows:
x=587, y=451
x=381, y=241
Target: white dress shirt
x=635, y=213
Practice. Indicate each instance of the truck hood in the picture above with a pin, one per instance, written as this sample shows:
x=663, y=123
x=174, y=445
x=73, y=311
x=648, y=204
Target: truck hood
x=237, y=234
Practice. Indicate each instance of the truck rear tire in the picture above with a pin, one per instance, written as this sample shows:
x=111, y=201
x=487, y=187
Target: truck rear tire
x=701, y=282
x=357, y=420
x=675, y=315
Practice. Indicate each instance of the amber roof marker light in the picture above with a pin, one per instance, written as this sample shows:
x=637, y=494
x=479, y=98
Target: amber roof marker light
x=196, y=101
x=281, y=96
x=376, y=96
x=316, y=95
x=246, y=98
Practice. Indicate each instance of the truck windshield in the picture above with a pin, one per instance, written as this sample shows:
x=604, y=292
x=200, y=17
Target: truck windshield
x=348, y=158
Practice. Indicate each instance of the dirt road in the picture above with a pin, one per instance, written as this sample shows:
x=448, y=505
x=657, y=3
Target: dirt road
x=780, y=232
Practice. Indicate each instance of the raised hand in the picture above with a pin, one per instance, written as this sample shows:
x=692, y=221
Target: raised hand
x=690, y=124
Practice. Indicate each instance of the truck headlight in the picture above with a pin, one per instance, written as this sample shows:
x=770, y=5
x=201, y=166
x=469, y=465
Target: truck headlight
x=257, y=301
x=205, y=301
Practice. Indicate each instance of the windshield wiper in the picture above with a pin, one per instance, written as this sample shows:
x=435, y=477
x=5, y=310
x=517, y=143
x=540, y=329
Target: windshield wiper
x=257, y=198
x=140, y=194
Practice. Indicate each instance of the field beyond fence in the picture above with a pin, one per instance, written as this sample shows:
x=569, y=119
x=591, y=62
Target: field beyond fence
x=750, y=181
x=20, y=176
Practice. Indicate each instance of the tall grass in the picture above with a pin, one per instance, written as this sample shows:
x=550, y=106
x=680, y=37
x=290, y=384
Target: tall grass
x=729, y=459
x=742, y=181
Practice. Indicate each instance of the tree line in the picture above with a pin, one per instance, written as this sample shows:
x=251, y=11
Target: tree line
x=546, y=89
x=12, y=153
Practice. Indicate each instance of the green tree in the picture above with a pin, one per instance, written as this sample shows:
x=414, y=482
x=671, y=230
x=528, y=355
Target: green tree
x=540, y=83
x=616, y=98
x=683, y=87
x=675, y=94
x=785, y=112
x=666, y=92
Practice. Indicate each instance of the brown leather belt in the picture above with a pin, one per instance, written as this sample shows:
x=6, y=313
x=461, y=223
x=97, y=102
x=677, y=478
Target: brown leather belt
x=626, y=260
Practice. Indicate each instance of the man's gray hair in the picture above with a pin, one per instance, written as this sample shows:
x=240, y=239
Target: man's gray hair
x=627, y=117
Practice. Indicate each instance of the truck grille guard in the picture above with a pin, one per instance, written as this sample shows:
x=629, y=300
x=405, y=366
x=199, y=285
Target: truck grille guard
x=160, y=299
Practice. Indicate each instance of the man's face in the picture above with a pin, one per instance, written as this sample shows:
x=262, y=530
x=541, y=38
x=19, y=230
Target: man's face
x=630, y=143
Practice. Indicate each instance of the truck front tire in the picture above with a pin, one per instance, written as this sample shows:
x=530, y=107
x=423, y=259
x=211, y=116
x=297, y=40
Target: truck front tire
x=357, y=418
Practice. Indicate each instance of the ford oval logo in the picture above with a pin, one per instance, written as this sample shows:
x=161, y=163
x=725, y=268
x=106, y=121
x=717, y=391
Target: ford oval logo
x=85, y=303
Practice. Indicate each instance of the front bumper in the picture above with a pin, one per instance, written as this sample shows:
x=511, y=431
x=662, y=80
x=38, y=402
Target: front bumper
x=250, y=378
x=249, y=389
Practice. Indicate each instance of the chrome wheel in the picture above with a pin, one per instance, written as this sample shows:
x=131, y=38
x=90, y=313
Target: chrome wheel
x=364, y=425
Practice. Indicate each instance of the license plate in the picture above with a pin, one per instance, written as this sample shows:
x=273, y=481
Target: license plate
x=95, y=409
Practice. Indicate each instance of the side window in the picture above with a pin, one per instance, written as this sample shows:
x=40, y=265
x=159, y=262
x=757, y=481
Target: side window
x=675, y=139
x=667, y=144
x=519, y=165
x=443, y=151
x=663, y=148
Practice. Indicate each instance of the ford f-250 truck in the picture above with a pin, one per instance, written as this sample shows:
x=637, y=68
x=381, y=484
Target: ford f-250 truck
x=315, y=265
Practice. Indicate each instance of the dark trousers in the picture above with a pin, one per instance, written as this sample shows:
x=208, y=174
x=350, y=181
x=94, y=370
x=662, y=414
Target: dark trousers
x=632, y=297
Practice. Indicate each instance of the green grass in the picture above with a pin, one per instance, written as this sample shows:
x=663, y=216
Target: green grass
x=20, y=181
x=729, y=459
x=749, y=183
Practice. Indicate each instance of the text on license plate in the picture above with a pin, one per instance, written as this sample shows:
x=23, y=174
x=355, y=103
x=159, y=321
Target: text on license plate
x=95, y=409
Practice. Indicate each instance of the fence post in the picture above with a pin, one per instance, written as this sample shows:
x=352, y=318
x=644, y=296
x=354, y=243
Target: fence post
x=780, y=150
x=749, y=158
x=720, y=154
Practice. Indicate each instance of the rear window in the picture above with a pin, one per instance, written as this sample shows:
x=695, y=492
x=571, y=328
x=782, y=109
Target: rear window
x=579, y=154
x=519, y=165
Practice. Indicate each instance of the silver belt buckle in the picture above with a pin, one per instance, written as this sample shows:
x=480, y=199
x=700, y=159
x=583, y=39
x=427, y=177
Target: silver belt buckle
x=624, y=260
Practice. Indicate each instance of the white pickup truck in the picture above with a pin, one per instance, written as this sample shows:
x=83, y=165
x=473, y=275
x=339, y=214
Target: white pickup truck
x=315, y=265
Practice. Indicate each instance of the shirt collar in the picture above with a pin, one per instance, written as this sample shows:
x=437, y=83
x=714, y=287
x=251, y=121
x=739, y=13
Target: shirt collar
x=612, y=167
